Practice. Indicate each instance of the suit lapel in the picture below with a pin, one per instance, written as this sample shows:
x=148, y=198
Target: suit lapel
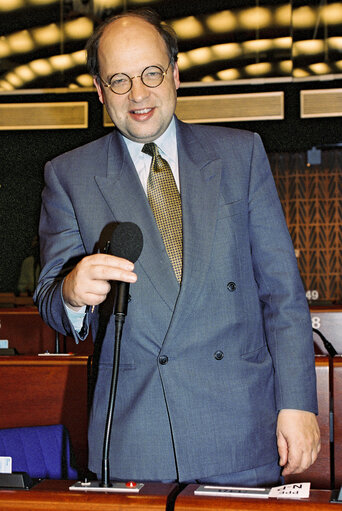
x=123, y=192
x=200, y=175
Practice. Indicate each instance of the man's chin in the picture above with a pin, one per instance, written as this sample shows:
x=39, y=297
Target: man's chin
x=142, y=137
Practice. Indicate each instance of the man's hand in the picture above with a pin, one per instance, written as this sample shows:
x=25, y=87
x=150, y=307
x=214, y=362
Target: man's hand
x=298, y=439
x=88, y=283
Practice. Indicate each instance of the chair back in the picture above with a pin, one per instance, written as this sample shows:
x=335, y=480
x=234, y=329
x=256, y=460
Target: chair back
x=40, y=451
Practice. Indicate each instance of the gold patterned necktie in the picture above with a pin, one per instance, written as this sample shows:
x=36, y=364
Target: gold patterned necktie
x=165, y=202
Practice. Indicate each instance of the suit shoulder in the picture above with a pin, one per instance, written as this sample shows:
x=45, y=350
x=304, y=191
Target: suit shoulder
x=89, y=152
x=205, y=130
x=218, y=136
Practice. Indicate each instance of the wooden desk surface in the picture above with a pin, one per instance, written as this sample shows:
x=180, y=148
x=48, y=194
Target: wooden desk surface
x=186, y=501
x=55, y=495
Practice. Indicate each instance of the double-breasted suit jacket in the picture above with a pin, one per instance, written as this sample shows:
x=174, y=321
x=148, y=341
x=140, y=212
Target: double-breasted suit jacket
x=204, y=366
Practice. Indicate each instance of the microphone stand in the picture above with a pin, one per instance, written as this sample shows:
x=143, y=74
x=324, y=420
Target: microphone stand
x=328, y=346
x=120, y=316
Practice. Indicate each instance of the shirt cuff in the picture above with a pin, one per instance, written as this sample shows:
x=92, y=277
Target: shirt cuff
x=76, y=317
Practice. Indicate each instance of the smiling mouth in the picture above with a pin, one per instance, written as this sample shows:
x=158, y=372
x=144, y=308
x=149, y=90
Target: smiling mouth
x=142, y=111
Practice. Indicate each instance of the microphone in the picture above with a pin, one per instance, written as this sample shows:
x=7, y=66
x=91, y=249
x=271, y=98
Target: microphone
x=127, y=242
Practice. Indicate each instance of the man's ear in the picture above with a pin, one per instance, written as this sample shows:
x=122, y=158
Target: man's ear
x=98, y=86
x=176, y=75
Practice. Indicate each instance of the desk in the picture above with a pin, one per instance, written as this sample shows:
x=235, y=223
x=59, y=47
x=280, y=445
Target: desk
x=29, y=335
x=187, y=501
x=55, y=495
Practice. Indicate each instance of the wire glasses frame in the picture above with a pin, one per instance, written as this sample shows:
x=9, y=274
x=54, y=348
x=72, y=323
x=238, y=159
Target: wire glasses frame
x=120, y=83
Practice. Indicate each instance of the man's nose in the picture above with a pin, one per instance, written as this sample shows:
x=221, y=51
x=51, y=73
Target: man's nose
x=139, y=91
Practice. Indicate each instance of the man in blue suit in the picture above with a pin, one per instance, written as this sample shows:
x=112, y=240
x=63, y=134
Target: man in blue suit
x=217, y=377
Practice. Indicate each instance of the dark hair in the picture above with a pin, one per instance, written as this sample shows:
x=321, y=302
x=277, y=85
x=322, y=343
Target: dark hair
x=150, y=16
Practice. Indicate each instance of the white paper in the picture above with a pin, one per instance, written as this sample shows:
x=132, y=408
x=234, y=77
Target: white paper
x=5, y=465
x=286, y=491
x=291, y=491
x=233, y=491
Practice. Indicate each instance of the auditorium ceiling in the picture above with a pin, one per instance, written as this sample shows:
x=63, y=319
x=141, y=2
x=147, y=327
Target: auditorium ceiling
x=220, y=41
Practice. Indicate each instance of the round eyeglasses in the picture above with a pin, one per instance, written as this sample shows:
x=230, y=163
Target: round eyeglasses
x=120, y=83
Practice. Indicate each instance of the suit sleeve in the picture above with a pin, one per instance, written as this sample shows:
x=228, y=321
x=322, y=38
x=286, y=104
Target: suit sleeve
x=61, y=248
x=287, y=321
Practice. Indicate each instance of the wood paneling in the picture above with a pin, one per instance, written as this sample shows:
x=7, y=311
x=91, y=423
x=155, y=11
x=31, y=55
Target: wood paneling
x=312, y=202
x=38, y=116
x=320, y=103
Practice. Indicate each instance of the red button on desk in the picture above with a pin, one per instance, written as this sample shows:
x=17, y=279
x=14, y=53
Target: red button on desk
x=131, y=484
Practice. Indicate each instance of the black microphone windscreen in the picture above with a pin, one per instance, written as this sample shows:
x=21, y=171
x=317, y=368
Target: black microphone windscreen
x=127, y=241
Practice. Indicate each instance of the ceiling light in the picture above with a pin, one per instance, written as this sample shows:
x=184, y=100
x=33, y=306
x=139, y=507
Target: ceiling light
x=81, y=28
x=300, y=73
x=309, y=47
x=4, y=47
x=79, y=57
x=320, y=68
x=304, y=17
x=14, y=79
x=11, y=5
x=187, y=28
x=43, y=2
x=224, y=21
x=259, y=69
x=200, y=55
x=228, y=74
x=255, y=18
x=61, y=62
x=332, y=14
x=257, y=45
x=41, y=67
x=85, y=80
x=44, y=36
x=335, y=43
x=283, y=42
x=183, y=61
x=282, y=15
x=5, y=86
x=208, y=79
x=25, y=73
x=100, y=5
x=286, y=66
x=226, y=51
x=21, y=42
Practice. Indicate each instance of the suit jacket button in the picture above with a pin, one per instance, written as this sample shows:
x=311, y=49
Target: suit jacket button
x=231, y=286
x=219, y=355
x=163, y=360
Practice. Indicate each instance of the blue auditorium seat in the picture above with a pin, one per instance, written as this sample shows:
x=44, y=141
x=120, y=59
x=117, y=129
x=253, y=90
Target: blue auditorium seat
x=40, y=451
